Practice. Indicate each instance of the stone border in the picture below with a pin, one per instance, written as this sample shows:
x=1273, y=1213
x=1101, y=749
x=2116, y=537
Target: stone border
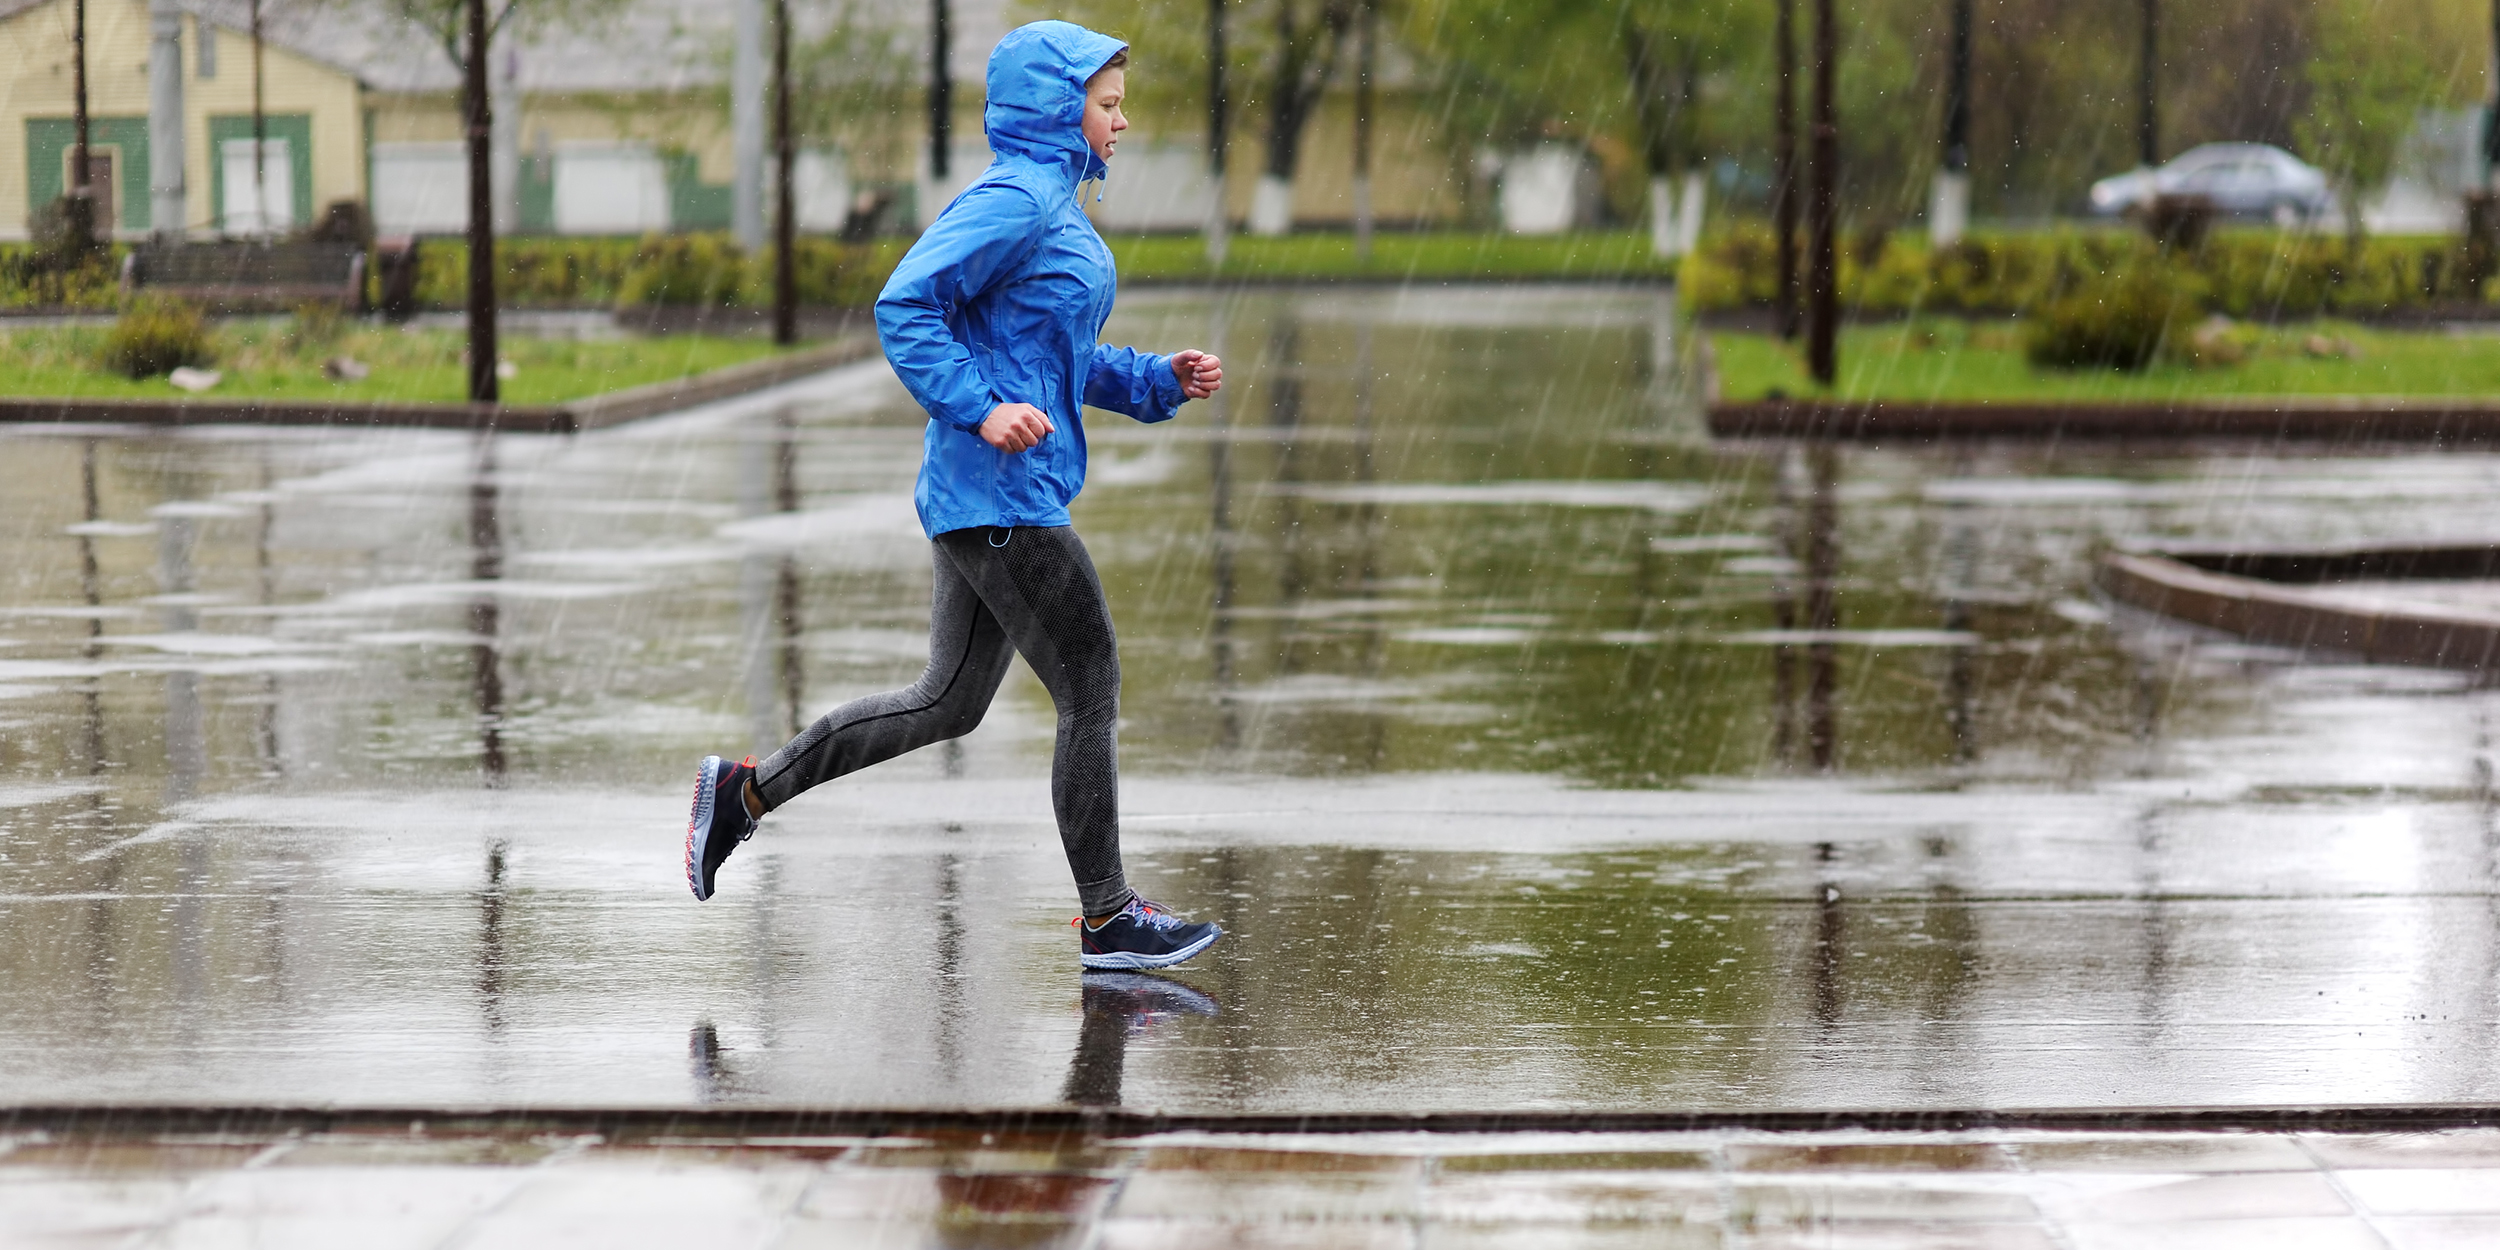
x=2270, y=612
x=2449, y=422
x=595, y=412
x=630, y=1123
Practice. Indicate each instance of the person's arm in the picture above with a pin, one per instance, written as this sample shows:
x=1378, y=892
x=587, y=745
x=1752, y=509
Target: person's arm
x=1133, y=383
x=982, y=236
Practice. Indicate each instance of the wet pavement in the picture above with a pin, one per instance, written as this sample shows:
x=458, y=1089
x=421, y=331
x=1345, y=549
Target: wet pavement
x=1537, y=752
x=1682, y=1191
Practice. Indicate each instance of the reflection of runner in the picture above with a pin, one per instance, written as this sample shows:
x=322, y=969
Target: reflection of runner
x=1120, y=1006
x=991, y=321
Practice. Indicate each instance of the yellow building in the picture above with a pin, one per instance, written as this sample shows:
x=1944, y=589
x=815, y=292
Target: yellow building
x=314, y=119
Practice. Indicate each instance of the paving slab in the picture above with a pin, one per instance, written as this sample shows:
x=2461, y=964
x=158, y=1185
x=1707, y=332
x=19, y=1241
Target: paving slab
x=1842, y=1191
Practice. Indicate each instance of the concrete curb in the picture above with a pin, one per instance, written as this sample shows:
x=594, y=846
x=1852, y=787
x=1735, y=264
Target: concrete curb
x=595, y=412
x=2269, y=612
x=628, y=1123
x=2450, y=422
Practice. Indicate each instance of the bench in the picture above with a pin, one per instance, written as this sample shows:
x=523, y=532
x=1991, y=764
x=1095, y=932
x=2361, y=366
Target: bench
x=251, y=277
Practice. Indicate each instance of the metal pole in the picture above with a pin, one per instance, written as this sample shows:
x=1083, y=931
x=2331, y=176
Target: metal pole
x=1784, y=173
x=168, y=216
x=483, y=384
x=1363, y=54
x=1822, y=274
x=1219, y=230
x=785, y=199
x=82, y=221
x=260, y=133
x=2148, y=120
x=941, y=95
x=746, y=124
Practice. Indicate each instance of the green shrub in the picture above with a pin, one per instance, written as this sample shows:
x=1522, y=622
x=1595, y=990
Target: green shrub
x=2120, y=320
x=2246, y=273
x=156, y=335
x=36, y=277
x=316, y=325
x=680, y=270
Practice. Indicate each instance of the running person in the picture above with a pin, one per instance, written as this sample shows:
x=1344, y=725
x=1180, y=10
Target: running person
x=991, y=321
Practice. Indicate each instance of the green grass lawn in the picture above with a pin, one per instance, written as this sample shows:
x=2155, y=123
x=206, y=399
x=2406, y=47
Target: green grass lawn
x=1445, y=255
x=269, y=359
x=1954, y=360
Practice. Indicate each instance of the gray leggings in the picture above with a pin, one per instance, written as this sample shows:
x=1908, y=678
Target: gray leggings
x=999, y=592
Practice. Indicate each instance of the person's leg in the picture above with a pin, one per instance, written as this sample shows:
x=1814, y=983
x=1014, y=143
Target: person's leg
x=1041, y=586
x=968, y=654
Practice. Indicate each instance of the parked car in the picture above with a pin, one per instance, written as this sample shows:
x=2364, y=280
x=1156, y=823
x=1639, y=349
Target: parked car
x=2238, y=179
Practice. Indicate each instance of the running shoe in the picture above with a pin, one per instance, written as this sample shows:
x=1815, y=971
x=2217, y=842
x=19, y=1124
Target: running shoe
x=720, y=821
x=1142, y=935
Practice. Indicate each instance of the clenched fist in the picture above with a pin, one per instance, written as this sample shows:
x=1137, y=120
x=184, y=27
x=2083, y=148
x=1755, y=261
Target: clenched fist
x=1200, y=374
x=1014, y=428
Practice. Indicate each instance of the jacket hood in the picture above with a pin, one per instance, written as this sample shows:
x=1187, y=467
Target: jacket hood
x=1036, y=107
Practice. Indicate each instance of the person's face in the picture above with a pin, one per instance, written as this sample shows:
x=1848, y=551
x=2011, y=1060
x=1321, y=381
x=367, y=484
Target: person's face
x=1103, y=119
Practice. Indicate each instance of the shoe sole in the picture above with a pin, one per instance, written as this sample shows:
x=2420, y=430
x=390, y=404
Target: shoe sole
x=1127, y=960
x=699, y=826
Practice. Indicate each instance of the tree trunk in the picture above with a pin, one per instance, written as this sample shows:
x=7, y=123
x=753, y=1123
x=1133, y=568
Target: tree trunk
x=484, y=386
x=1304, y=61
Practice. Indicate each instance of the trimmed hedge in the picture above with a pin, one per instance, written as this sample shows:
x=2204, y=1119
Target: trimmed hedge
x=2261, y=274
x=35, y=277
x=678, y=269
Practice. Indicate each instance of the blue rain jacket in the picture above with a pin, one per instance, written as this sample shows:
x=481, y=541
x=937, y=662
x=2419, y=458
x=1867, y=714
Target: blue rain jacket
x=1001, y=299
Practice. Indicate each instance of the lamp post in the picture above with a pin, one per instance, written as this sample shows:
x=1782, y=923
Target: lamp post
x=2148, y=117
x=1822, y=272
x=1366, y=24
x=1219, y=231
x=785, y=201
x=479, y=119
x=260, y=133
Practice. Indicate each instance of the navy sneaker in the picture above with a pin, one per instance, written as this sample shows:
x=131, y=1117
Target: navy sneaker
x=1142, y=935
x=720, y=821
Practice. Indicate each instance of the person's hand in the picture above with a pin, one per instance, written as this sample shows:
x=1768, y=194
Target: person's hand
x=1013, y=428
x=1200, y=374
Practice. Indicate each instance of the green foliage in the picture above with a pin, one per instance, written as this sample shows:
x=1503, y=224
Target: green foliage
x=157, y=335
x=36, y=277
x=2260, y=274
x=554, y=272
x=2121, y=320
x=686, y=270
x=315, y=326
x=2366, y=83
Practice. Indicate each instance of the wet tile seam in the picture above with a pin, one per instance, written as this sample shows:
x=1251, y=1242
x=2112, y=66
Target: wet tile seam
x=632, y=1126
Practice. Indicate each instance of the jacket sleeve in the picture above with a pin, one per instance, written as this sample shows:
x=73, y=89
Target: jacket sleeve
x=977, y=241
x=1133, y=383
